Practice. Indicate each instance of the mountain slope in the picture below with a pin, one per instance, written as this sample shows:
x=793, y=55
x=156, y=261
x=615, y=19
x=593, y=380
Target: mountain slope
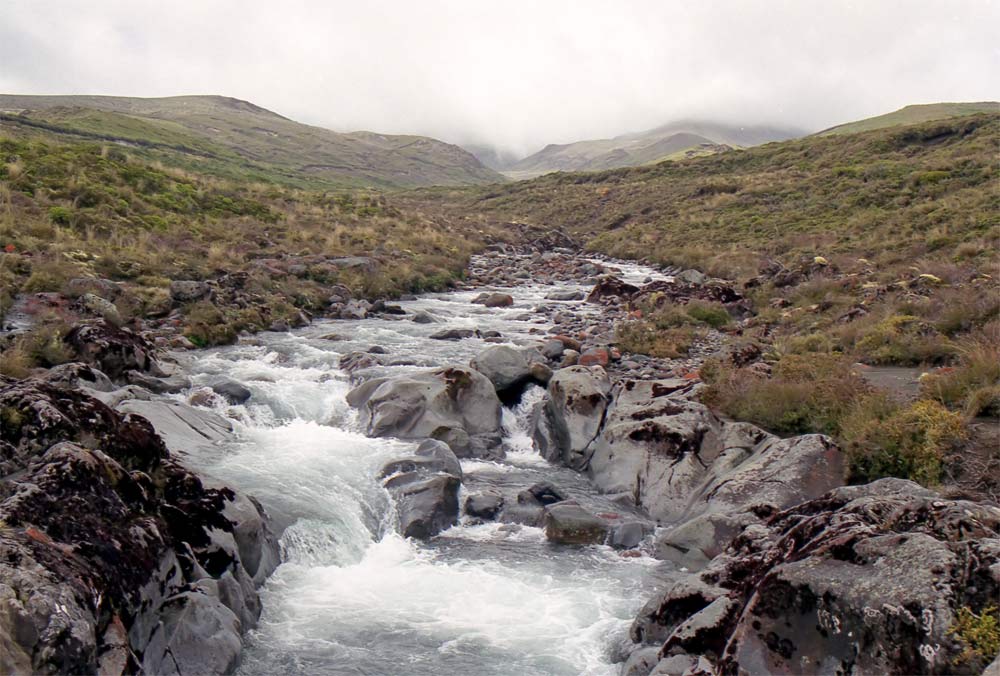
x=635, y=149
x=914, y=114
x=241, y=140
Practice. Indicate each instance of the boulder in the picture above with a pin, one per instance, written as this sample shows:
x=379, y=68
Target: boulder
x=76, y=375
x=570, y=417
x=509, y=369
x=494, y=300
x=426, y=505
x=610, y=287
x=570, y=524
x=428, y=404
x=230, y=390
x=864, y=579
x=182, y=427
x=358, y=361
x=169, y=385
x=484, y=506
x=425, y=317
x=95, y=305
x=112, y=349
x=565, y=295
x=103, y=288
x=187, y=291
x=679, y=460
x=197, y=634
x=354, y=309
x=453, y=334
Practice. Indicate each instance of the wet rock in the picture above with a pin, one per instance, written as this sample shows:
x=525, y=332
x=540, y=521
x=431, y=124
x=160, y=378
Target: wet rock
x=542, y=493
x=186, y=291
x=570, y=358
x=425, y=317
x=428, y=404
x=565, y=295
x=112, y=349
x=432, y=456
x=183, y=428
x=197, y=634
x=571, y=415
x=484, y=506
x=453, y=334
x=494, y=300
x=230, y=390
x=425, y=505
x=697, y=541
x=570, y=524
x=507, y=368
x=354, y=309
x=595, y=356
x=641, y=662
x=169, y=385
x=610, y=287
x=259, y=551
x=553, y=349
x=358, y=361
x=629, y=534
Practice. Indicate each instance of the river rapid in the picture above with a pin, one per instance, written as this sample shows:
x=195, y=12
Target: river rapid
x=352, y=596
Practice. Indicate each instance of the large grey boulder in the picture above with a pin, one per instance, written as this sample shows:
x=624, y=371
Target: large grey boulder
x=570, y=417
x=509, y=369
x=428, y=404
x=865, y=580
x=182, y=427
x=679, y=460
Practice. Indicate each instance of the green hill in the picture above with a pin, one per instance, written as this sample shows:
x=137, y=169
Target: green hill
x=236, y=139
x=914, y=114
x=676, y=140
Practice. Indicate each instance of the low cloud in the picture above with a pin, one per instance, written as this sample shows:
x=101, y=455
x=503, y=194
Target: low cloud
x=517, y=74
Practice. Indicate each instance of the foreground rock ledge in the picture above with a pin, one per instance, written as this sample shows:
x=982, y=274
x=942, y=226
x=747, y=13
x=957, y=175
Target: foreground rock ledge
x=113, y=557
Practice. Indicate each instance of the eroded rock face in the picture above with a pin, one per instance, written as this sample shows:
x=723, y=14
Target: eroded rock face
x=679, y=460
x=103, y=532
x=112, y=349
x=428, y=404
x=571, y=416
x=865, y=579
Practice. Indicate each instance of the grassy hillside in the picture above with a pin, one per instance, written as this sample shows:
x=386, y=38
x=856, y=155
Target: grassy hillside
x=72, y=210
x=630, y=150
x=914, y=114
x=236, y=139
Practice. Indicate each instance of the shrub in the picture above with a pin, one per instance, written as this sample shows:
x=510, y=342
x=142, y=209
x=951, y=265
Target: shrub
x=980, y=634
x=974, y=384
x=804, y=394
x=60, y=215
x=643, y=337
x=903, y=340
x=884, y=439
x=712, y=314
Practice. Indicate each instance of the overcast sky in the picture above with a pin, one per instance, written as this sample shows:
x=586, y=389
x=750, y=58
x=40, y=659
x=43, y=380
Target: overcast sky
x=512, y=73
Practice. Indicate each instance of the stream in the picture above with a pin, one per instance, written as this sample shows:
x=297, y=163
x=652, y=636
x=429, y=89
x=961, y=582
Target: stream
x=352, y=596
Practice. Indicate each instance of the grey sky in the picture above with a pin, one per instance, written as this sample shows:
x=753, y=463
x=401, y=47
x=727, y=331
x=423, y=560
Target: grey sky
x=514, y=73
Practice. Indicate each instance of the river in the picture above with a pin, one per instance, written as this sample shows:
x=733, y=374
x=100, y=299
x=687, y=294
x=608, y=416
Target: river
x=352, y=596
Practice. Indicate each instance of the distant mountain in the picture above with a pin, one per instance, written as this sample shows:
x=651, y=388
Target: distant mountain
x=242, y=140
x=914, y=114
x=672, y=141
x=491, y=157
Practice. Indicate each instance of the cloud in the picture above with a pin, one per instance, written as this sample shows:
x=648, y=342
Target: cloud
x=517, y=74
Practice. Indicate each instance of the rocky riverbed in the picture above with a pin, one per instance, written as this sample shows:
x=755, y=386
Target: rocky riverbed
x=470, y=482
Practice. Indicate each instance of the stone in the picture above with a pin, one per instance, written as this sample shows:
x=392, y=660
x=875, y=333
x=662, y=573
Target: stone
x=95, y=305
x=169, y=385
x=425, y=505
x=112, y=349
x=453, y=334
x=570, y=524
x=187, y=291
x=565, y=295
x=641, y=661
x=595, y=356
x=230, y=390
x=486, y=506
x=542, y=493
x=494, y=300
x=357, y=361
x=629, y=534
x=103, y=288
x=354, y=309
x=553, y=349
x=428, y=404
x=182, y=427
x=425, y=317
x=571, y=415
x=197, y=634
x=507, y=368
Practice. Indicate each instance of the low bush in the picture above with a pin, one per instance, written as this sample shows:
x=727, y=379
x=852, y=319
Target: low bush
x=973, y=385
x=979, y=633
x=885, y=439
x=645, y=337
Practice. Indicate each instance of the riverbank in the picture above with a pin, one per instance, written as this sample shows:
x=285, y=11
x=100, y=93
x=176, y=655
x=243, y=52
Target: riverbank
x=324, y=426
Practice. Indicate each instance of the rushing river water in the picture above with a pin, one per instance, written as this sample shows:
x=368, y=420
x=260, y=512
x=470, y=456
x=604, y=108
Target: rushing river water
x=352, y=596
